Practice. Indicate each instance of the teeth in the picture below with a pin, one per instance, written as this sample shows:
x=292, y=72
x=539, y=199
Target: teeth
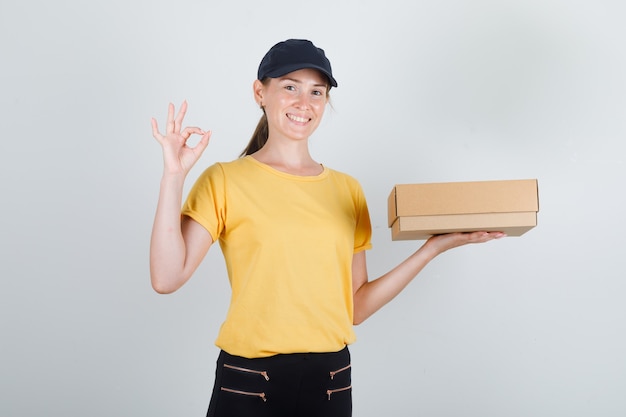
x=297, y=119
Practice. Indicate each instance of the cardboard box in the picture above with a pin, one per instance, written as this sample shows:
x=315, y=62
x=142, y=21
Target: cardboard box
x=418, y=211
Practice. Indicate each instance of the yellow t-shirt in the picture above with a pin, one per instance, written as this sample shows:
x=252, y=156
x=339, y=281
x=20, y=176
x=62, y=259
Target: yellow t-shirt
x=288, y=243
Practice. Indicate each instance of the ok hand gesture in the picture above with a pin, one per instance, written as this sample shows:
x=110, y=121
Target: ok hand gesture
x=178, y=157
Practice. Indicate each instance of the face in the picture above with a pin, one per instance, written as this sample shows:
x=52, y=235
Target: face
x=294, y=103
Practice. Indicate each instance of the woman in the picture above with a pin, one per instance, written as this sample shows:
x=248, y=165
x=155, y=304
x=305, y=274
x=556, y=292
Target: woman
x=293, y=233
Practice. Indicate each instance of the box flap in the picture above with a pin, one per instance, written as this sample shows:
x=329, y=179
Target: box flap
x=392, y=214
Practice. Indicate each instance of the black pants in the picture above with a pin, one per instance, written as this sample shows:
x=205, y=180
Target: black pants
x=292, y=385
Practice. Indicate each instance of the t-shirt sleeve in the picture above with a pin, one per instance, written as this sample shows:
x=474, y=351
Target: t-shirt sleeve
x=363, y=229
x=206, y=202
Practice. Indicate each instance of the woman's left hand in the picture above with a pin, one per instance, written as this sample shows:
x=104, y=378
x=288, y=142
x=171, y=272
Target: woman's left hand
x=441, y=243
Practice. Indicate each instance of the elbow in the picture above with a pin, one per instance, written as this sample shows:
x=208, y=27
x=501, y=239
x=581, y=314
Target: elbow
x=161, y=289
x=360, y=309
x=358, y=318
x=166, y=279
x=163, y=285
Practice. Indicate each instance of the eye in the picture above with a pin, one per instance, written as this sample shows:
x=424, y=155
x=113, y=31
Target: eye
x=318, y=93
x=290, y=88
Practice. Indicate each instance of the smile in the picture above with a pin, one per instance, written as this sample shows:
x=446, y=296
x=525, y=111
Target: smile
x=297, y=119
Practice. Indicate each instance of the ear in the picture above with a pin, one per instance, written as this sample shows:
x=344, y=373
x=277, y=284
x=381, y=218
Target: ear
x=258, y=89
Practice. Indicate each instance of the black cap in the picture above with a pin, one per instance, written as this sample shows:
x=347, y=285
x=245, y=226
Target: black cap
x=292, y=55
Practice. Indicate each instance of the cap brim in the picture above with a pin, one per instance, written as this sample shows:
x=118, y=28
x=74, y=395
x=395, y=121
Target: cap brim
x=295, y=67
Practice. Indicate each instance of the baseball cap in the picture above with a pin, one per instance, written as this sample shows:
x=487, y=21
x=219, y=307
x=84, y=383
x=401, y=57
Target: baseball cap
x=292, y=55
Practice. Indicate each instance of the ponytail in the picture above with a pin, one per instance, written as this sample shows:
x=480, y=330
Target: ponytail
x=259, y=137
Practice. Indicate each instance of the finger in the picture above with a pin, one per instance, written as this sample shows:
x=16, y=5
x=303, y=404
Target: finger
x=480, y=237
x=493, y=235
x=170, y=119
x=155, y=130
x=191, y=130
x=178, y=122
x=204, y=141
x=477, y=237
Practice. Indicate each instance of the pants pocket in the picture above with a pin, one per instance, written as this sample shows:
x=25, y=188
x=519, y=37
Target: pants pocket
x=240, y=391
x=244, y=381
x=341, y=382
x=330, y=392
x=261, y=395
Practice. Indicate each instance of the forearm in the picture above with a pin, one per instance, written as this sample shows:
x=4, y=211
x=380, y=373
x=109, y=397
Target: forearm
x=369, y=297
x=167, y=246
x=373, y=295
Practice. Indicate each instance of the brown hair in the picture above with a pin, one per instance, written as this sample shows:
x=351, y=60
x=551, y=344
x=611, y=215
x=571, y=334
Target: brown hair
x=261, y=133
x=259, y=137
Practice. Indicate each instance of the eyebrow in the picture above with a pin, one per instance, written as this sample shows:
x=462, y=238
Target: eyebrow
x=300, y=82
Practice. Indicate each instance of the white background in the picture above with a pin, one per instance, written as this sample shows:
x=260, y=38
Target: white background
x=428, y=92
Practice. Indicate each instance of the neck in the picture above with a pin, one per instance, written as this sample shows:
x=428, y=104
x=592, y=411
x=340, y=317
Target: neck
x=292, y=158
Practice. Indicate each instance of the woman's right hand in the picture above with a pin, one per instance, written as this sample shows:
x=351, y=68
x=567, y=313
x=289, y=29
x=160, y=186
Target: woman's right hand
x=178, y=157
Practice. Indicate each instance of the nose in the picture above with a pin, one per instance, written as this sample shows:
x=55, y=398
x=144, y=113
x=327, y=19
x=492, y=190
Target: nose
x=303, y=101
